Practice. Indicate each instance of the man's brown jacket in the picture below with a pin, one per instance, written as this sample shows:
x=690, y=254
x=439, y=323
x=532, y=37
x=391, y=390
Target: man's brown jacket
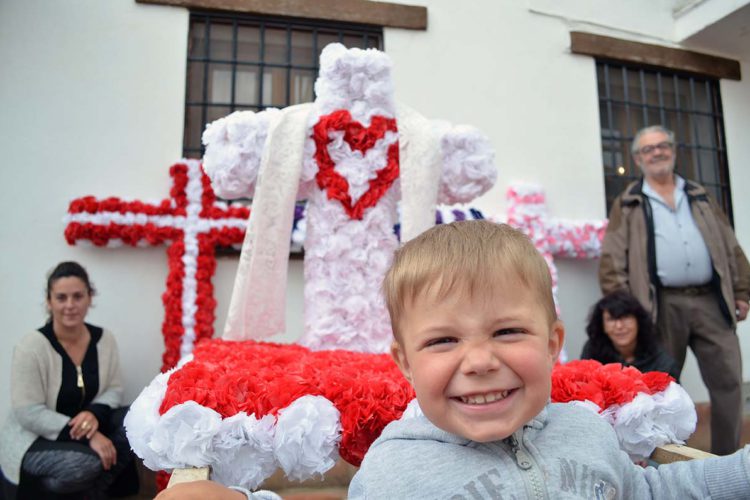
x=628, y=260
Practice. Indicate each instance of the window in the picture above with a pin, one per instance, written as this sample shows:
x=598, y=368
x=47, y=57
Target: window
x=238, y=62
x=633, y=97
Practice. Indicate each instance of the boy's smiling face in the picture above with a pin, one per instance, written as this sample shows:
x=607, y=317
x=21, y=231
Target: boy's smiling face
x=481, y=366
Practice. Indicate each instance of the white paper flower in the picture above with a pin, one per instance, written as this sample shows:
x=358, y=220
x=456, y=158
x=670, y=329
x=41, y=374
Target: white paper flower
x=234, y=146
x=183, y=436
x=307, y=436
x=142, y=419
x=244, y=452
x=468, y=164
x=650, y=421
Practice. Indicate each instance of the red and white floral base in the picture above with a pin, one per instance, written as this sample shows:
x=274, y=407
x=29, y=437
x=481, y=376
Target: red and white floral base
x=247, y=408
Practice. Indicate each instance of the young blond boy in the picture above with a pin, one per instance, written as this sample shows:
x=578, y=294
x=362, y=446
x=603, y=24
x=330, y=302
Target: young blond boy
x=477, y=335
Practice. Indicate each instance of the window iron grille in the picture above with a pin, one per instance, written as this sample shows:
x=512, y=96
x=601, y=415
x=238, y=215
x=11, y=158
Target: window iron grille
x=632, y=97
x=242, y=62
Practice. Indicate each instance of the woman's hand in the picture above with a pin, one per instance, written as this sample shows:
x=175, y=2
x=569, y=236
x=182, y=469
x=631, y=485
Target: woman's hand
x=84, y=424
x=199, y=490
x=104, y=448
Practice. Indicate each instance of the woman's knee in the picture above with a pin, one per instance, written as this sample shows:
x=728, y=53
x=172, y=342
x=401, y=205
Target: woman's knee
x=62, y=471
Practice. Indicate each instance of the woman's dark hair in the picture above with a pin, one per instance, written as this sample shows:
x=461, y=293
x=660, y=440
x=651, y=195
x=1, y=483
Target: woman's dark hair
x=69, y=269
x=618, y=304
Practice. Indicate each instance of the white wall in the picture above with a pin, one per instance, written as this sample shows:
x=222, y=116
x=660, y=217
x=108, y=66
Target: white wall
x=92, y=95
x=92, y=100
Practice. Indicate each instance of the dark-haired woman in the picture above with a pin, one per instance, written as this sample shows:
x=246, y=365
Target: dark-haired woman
x=64, y=437
x=620, y=331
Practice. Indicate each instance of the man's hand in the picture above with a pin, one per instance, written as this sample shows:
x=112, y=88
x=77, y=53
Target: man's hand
x=199, y=490
x=105, y=449
x=84, y=424
x=742, y=308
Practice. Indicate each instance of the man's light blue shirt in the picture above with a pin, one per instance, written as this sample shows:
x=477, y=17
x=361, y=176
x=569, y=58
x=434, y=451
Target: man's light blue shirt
x=682, y=257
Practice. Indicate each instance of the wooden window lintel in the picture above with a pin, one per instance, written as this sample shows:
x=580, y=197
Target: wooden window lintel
x=605, y=47
x=388, y=14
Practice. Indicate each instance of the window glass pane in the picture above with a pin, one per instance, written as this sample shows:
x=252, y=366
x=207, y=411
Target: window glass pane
x=302, y=82
x=326, y=37
x=700, y=100
x=708, y=173
x=683, y=94
x=248, y=43
x=275, y=49
x=632, y=79
x=650, y=90
x=197, y=39
x=220, y=47
x=193, y=128
x=195, y=77
x=220, y=83
x=653, y=115
x=216, y=112
x=302, y=49
x=274, y=87
x=353, y=40
x=246, y=86
x=704, y=130
x=686, y=162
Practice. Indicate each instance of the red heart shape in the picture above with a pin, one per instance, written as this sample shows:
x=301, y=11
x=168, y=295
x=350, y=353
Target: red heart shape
x=359, y=139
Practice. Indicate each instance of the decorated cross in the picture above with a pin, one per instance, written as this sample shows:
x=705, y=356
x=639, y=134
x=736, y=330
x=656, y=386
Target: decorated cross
x=193, y=222
x=364, y=164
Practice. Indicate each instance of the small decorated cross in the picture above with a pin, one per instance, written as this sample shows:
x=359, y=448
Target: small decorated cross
x=553, y=237
x=193, y=222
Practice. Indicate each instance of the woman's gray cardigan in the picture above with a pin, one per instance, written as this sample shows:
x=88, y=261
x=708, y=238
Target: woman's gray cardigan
x=35, y=380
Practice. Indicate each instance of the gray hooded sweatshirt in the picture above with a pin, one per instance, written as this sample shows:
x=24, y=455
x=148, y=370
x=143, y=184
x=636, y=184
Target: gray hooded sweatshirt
x=564, y=452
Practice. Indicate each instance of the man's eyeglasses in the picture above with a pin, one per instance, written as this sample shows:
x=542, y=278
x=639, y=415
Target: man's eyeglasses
x=662, y=146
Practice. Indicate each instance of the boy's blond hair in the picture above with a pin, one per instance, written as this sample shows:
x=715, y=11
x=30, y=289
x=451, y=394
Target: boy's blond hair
x=465, y=257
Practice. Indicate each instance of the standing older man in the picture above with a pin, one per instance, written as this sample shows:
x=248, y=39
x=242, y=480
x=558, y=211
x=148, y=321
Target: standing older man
x=671, y=246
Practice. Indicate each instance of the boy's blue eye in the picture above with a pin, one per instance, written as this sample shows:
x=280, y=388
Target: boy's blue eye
x=507, y=331
x=438, y=341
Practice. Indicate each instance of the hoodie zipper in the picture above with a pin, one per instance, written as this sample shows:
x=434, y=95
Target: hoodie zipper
x=526, y=462
x=79, y=383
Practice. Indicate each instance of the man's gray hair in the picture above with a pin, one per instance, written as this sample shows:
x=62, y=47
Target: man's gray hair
x=647, y=130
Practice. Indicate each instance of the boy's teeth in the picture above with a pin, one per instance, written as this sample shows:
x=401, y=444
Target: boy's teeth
x=480, y=399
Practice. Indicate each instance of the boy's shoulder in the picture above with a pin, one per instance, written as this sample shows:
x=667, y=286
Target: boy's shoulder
x=573, y=419
x=413, y=458
x=575, y=411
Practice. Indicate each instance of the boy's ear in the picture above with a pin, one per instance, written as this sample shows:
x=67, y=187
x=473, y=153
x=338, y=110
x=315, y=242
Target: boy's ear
x=556, y=339
x=398, y=355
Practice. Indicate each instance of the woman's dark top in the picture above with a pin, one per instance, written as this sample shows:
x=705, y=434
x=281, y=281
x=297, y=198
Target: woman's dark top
x=657, y=361
x=73, y=398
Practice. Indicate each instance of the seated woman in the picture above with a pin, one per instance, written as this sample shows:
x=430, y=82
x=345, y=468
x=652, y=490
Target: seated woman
x=620, y=331
x=64, y=437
